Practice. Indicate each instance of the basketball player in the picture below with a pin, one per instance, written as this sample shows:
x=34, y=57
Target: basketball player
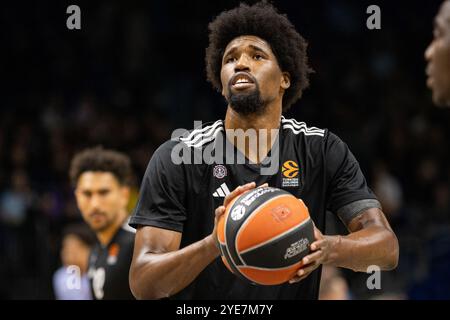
x=258, y=61
x=77, y=242
x=438, y=57
x=101, y=179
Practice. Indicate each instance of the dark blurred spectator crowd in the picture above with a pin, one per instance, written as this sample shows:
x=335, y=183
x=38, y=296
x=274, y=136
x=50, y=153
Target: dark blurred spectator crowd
x=135, y=72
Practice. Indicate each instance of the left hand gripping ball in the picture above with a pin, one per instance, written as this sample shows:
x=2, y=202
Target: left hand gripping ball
x=264, y=234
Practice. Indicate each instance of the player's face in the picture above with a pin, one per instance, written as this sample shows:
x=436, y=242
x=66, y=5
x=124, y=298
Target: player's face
x=101, y=199
x=438, y=57
x=248, y=66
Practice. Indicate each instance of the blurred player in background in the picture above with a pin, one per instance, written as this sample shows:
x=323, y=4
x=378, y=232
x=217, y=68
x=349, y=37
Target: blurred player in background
x=258, y=61
x=70, y=282
x=438, y=57
x=102, y=188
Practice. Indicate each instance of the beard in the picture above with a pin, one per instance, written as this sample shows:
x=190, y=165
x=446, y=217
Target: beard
x=246, y=103
x=100, y=223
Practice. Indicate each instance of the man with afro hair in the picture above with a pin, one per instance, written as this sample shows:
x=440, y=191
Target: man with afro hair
x=258, y=62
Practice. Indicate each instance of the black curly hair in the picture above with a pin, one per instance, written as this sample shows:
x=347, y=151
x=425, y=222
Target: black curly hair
x=262, y=20
x=103, y=160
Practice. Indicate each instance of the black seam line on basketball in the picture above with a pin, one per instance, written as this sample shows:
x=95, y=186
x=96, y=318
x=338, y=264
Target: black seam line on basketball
x=272, y=269
x=225, y=230
x=263, y=269
x=192, y=137
x=234, y=269
x=229, y=221
x=247, y=222
x=277, y=237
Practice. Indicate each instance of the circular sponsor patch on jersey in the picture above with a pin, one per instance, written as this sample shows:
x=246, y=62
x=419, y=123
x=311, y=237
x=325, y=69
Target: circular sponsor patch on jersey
x=219, y=171
x=238, y=212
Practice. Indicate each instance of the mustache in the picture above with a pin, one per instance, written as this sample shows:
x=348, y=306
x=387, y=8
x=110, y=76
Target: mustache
x=97, y=212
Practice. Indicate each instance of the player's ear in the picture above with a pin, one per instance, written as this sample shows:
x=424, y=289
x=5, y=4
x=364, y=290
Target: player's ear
x=285, y=80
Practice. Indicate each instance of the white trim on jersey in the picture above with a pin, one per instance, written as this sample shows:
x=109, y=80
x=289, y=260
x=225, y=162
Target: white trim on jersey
x=205, y=140
x=300, y=124
x=222, y=191
x=199, y=137
x=200, y=130
x=298, y=127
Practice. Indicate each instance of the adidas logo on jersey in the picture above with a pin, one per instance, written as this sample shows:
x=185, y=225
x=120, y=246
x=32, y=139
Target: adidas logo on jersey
x=222, y=191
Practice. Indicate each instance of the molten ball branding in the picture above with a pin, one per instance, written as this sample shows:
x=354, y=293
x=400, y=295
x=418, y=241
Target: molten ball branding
x=296, y=248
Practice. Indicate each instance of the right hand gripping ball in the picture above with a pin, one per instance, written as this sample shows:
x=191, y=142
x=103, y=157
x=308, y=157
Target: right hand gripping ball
x=264, y=234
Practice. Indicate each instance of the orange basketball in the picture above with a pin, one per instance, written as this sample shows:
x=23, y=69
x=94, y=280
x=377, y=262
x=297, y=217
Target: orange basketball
x=264, y=234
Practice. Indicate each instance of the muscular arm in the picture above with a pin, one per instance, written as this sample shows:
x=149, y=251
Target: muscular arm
x=371, y=242
x=159, y=269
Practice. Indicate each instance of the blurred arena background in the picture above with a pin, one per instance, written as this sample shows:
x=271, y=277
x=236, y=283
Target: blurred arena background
x=135, y=72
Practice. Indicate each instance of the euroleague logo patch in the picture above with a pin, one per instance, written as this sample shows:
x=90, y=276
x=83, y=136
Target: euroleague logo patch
x=238, y=212
x=220, y=171
x=113, y=253
x=290, y=171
